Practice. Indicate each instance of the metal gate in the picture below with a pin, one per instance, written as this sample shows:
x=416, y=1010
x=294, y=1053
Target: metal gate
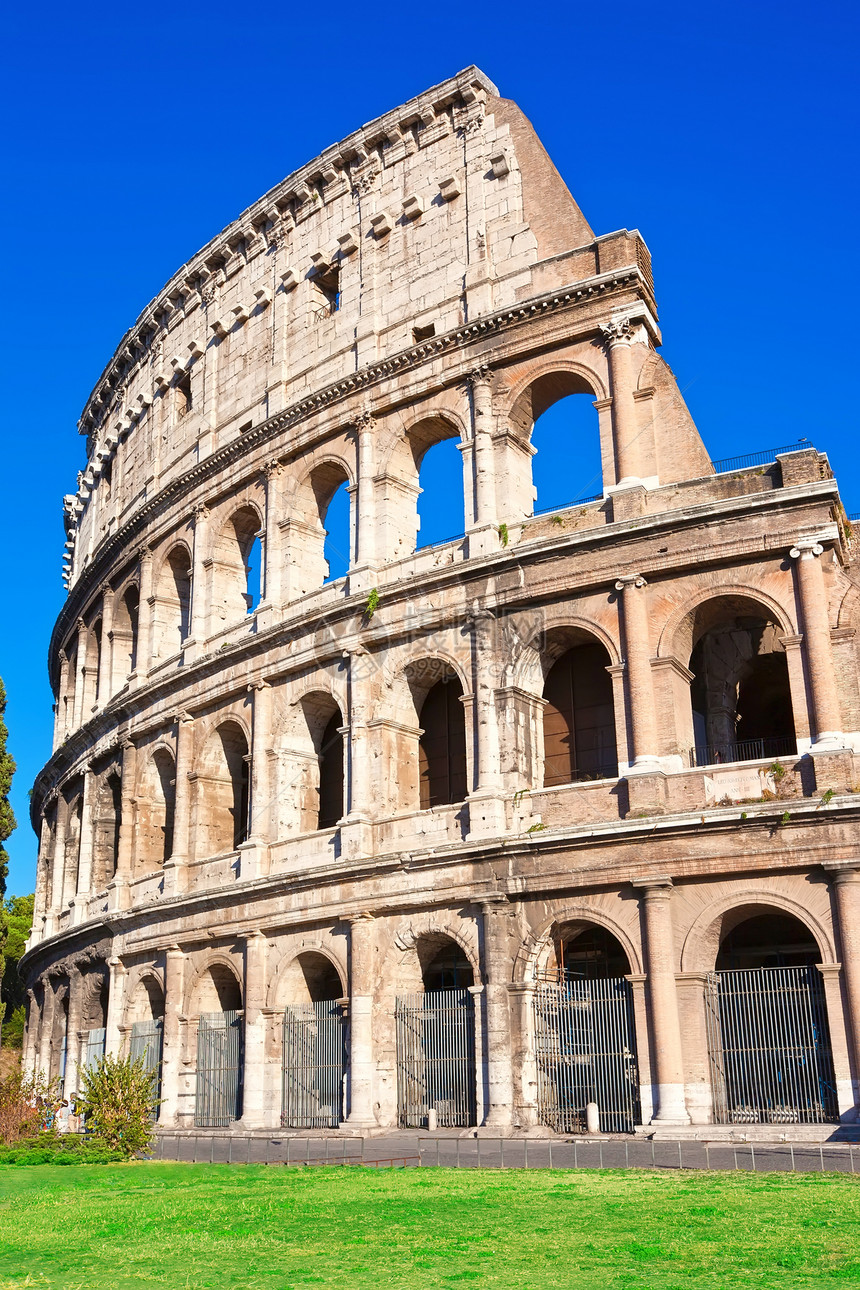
x=218, y=1096
x=92, y=1048
x=313, y=1066
x=585, y=1049
x=146, y=1044
x=769, y=1047
x=436, y=1058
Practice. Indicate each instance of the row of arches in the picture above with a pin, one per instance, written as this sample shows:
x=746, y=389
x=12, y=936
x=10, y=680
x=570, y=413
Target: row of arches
x=766, y=1029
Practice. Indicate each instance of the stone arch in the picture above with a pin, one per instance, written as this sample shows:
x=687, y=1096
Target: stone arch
x=106, y=824
x=237, y=538
x=401, y=475
x=741, y=697
x=313, y=759
x=427, y=932
x=156, y=801
x=534, y=657
x=126, y=615
x=215, y=987
x=703, y=938
x=849, y=609
x=145, y=995
x=312, y=496
x=94, y=998
x=588, y=377
x=221, y=787
x=302, y=977
x=172, y=608
x=533, y=954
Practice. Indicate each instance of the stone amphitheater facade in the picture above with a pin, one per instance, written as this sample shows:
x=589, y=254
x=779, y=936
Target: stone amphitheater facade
x=466, y=791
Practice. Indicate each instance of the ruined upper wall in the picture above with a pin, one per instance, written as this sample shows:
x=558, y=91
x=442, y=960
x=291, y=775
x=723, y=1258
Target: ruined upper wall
x=421, y=221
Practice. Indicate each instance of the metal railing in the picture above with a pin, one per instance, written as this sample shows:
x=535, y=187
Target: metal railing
x=579, y=775
x=585, y=1049
x=762, y=458
x=313, y=1069
x=743, y=750
x=436, y=1058
x=146, y=1044
x=92, y=1048
x=769, y=1047
x=567, y=506
x=218, y=1092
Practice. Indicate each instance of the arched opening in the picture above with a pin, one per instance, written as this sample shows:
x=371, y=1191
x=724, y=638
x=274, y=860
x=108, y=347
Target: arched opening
x=218, y=1091
x=768, y=1035
x=146, y=1040
x=336, y=521
x=107, y=821
x=236, y=566
x=740, y=693
x=579, y=717
x=222, y=799
x=125, y=625
x=173, y=603
x=68, y=697
x=155, y=809
x=556, y=415
x=435, y=1038
x=442, y=744
x=93, y=667
x=60, y=1038
x=72, y=840
x=331, y=773
x=94, y=1005
x=585, y=1033
x=314, y=1044
x=441, y=504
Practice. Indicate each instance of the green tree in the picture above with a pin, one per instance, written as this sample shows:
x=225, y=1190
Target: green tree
x=117, y=1099
x=18, y=913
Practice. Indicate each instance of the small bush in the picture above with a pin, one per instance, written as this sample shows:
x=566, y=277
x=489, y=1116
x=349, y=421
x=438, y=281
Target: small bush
x=28, y=1103
x=68, y=1149
x=117, y=1098
x=13, y=1029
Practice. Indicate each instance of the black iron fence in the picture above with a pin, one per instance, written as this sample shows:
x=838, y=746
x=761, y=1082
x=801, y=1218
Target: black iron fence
x=743, y=750
x=436, y=1058
x=762, y=458
x=314, y=1065
x=218, y=1093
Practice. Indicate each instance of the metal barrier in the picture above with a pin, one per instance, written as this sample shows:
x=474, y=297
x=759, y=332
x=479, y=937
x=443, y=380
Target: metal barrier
x=436, y=1058
x=769, y=1047
x=146, y=1044
x=762, y=458
x=743, y=750
x=92, y=1048
x=313, y=1068
x=218, y=1092
x=585, y=1050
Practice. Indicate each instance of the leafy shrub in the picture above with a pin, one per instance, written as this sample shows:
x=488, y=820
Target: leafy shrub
x=67, y=1149
x=27, y=1104
x=117, y=1099
x=13, y=1029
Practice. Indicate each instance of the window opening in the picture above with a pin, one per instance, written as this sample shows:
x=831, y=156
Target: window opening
x=579, y=718
x=566, y=467
x=337, y=534
x=184, y=401
x=441, y=505
x=442, y=745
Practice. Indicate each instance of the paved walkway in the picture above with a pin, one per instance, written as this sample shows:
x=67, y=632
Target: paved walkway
x=411, y=1150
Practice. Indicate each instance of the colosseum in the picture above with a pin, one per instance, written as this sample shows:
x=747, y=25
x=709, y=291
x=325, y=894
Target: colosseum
x=484, y=834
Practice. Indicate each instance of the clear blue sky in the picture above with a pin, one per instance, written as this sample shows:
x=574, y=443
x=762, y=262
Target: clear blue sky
x=132, y=134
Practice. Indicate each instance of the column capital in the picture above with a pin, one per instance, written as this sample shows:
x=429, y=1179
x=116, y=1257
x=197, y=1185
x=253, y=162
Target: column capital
x=478, y=375
x=623, y=331
x=363, y=421
x=364, y=917
x=630, y=580
x=653, y=885
x=843, y=873
x=273, y=468
x=200, y=512
x=144, y=554
x=81, y=625
x=183, y=718
x=806, y=548
x=105, y=589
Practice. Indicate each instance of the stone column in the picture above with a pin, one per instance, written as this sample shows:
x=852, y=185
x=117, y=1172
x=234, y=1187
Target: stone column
x=818, y=649
x=115, y=1007
x=125, y=847
x=31, y=1037
x=497, y=921
x=105, y=679
x=61, y=725
x=73, y=1034
x=174, y=983
x=667, y=1062
x=483, y=523
x=254, y=851
x=363, y=576
x=80, y=675
x=200, y=565
x=254, y=1083
x=618, y=338
x=361, y=987
x=524, y=1067
x=57, y=865
x=46, y=1027
x=85, y=851
x=846, y=896
x=175, y=870
x=486, y=803
x=273, y=556
x=640, y=687
x=146, y=607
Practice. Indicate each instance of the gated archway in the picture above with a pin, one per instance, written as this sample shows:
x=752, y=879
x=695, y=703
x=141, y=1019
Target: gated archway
x=768, y=1036
x=218, y=1090
x=146, y=1038
x=585, y=1040
x=314, y=1054
x=435, y=1028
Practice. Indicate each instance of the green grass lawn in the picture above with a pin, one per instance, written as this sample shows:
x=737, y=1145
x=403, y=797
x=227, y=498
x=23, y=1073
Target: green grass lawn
x=187, y=1227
